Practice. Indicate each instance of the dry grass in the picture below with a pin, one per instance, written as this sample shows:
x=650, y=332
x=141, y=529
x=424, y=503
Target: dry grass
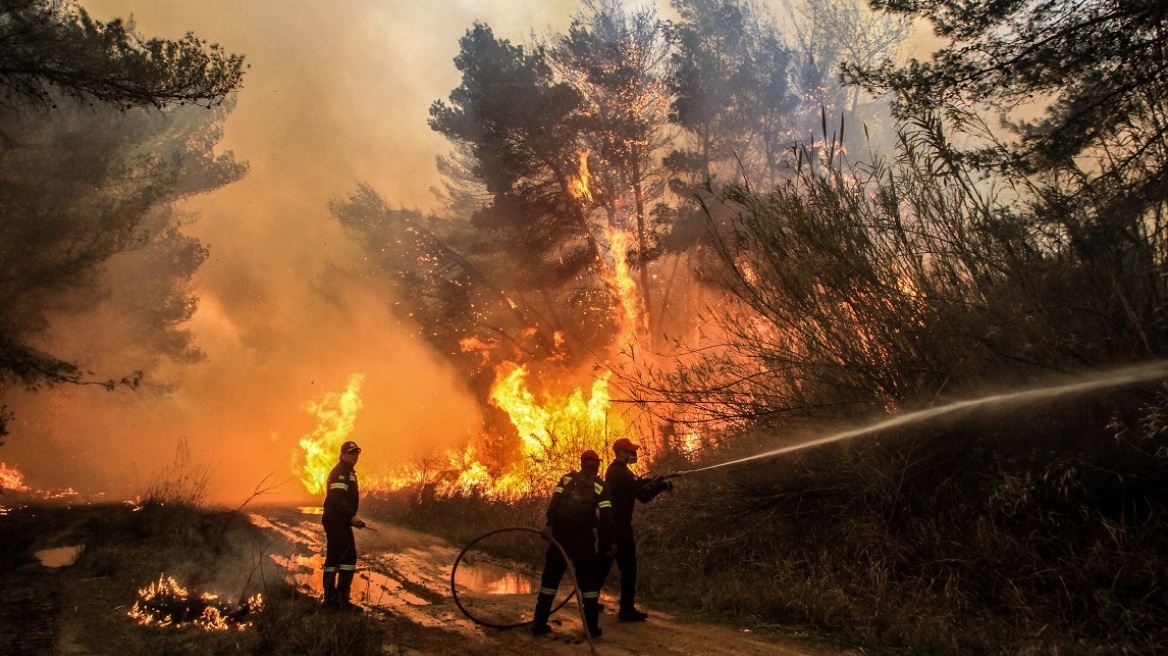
x=1020, y=532
x=127, y=547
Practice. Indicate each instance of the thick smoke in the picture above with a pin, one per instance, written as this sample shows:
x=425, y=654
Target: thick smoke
x=335, y=93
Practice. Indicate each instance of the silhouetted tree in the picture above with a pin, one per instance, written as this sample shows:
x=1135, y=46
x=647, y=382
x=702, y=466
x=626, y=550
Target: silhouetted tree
x=51, y=49
x=86, y=186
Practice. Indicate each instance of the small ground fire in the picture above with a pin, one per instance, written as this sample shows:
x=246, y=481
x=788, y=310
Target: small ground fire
x=166, y=603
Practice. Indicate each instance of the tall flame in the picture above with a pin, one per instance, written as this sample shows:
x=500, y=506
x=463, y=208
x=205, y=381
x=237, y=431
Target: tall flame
x=337, y=414
x=621, y=282
x=581, y=188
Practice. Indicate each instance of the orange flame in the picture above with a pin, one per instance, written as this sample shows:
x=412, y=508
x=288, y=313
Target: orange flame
x=166, y=603
x=553, y=431
x=581, y=188
x=337, y=414
x=621, y=282
x=11, y=479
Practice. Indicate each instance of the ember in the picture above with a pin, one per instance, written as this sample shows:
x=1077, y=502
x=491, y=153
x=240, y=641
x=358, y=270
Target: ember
x=166, y=603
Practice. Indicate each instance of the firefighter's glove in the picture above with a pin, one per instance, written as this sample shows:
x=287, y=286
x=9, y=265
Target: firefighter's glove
x=666, y=486
x=546, y=533
x=358, y=523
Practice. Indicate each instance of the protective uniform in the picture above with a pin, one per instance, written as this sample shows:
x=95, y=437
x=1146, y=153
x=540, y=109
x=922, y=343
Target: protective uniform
x=340, y=507
x=625, y=490
x=572, y=518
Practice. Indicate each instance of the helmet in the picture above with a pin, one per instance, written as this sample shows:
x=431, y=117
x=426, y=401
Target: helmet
x=624, y=444
x=350, y=447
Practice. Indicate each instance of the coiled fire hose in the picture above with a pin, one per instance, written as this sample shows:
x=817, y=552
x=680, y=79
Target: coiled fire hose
x=571, y=573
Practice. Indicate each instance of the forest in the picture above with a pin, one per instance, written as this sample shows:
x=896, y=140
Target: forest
x=738, y=230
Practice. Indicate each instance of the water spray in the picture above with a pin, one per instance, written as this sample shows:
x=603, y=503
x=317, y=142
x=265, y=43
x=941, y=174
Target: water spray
x=1126, y=376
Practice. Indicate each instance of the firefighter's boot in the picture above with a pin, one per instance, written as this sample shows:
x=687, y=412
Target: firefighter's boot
x=592, y=614
x=330, y=588
x=344, y=585
x=543, y=610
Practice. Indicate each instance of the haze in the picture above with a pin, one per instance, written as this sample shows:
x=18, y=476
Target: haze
x=335, y=94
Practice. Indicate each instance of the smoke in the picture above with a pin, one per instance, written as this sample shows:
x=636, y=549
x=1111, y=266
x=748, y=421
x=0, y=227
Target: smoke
x=335, y=94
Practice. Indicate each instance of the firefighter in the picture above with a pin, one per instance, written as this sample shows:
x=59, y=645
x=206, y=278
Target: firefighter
x=625, y=490
x=339, y=519
x=579, y=501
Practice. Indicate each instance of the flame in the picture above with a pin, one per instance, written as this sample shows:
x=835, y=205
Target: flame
x=581, y=188
x=474, y=344
x=337, y=414
x=166, y=603
x=554, y=429
x=621, y=282
x=11, y=479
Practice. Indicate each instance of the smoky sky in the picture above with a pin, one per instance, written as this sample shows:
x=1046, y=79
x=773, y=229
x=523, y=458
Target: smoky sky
x=335, y=93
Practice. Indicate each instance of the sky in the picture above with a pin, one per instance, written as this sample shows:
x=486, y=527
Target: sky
x=335, y=94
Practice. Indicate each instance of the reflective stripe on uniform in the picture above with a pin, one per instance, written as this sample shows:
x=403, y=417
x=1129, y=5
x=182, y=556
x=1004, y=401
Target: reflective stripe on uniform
x=604, y=504
x=599, y=488
x=330, y=569
x=339, y=486
x=591, y=595
x=558, y=490
x=547, y=591
x=348, y=568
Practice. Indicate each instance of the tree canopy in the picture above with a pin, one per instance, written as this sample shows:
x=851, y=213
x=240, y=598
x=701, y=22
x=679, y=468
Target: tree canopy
x=50, y=49
x=86, y=186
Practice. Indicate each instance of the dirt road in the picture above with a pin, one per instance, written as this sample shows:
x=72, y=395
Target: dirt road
x=405, y=575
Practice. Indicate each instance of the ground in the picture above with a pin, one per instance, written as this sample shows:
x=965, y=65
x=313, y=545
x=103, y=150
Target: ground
x=403, y=580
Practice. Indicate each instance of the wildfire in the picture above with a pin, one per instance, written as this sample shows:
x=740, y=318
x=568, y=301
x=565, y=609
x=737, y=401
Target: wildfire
x=11, y=479
x=553, y=430
x=622, y=284
x=581, y=188
x=166, y=603
x=337, y=414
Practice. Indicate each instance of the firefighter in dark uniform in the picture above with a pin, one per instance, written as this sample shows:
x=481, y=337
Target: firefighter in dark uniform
x=625, y=490
x=340, y=518
x=578, y=502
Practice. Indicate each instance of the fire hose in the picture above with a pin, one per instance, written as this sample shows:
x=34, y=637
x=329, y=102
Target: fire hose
x=576, y=593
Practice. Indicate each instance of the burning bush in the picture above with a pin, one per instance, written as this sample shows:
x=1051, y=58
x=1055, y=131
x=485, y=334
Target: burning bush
x=166, y=603
x=11, y=479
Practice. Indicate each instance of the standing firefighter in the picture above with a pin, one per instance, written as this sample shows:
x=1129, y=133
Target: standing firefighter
x=626, y=489
x=578, y=499
x=340, y=517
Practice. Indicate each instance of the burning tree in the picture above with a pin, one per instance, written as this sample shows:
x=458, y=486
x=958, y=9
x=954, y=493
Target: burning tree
x=568, y=252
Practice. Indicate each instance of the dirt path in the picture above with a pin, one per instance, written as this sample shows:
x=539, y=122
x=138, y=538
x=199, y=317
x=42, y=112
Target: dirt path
x=406, y=576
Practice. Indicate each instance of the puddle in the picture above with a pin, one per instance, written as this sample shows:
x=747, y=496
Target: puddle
x=369, y=587
x=486, y=578
x=58, y=556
